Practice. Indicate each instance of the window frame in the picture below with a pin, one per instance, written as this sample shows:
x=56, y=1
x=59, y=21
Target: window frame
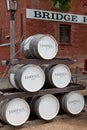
x=65, y=28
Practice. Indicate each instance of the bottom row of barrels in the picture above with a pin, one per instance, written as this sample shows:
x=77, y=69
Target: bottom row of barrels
x=17, y=111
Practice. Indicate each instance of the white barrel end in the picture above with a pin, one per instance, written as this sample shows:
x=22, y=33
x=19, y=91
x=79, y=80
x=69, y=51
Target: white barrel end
x=73, y=103
x=60, y=75
x=47, y=107
x=47, y=47
x=31, y=78
x=16, y=112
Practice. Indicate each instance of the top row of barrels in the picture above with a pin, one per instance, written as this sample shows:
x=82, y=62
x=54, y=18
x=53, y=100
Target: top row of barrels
x=42, y=46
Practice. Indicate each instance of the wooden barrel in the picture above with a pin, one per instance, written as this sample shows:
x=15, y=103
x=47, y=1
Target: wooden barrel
x=29, y=77
x=45, y=107
x=40, y=46
x=25, y=47
x=58, y=75
x=11, y=75
x=15, y=111
x=72, y=103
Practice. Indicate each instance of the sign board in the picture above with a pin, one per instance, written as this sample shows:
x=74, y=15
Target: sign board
x=55, y=16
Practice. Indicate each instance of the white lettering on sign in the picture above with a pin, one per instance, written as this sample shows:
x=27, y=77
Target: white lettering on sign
x=55, y=16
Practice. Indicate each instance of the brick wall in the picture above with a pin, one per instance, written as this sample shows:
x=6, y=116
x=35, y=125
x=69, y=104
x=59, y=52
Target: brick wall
x=26, y=27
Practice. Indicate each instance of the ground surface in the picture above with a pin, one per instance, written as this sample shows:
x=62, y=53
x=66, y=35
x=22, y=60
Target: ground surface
x=59, y=123
x=72, y=124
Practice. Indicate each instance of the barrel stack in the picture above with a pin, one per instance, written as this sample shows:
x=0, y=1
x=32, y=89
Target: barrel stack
x=31, y=78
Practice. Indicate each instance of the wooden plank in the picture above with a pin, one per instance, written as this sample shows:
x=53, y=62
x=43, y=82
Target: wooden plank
x=70, y=87
x=41, y=61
